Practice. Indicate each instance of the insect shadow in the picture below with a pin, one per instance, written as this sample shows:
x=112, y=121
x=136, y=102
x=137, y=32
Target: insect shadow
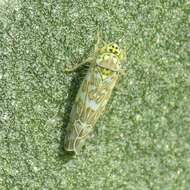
x=65, y=116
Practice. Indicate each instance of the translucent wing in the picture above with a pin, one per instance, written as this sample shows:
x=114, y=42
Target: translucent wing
x=89, y=104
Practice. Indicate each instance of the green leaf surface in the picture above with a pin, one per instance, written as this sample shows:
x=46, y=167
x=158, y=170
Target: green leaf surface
x=142, y=141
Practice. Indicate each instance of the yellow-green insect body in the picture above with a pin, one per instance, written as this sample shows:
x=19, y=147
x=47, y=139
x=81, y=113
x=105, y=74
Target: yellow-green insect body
x=93, y=95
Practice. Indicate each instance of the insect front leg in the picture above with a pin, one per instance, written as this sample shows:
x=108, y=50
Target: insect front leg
x=122, y=71
x=99, y=41
x=88, y=60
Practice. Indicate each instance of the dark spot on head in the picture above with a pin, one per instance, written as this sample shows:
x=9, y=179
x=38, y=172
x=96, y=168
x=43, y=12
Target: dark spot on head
x=110, y=49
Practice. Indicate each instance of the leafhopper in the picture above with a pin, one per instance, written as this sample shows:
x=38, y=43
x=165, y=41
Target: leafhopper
x=94, y=93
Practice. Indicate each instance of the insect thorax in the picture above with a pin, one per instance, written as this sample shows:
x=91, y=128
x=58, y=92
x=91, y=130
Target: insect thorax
x=107, y=63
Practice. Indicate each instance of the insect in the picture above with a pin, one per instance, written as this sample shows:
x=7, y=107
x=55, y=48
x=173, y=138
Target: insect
x=93, y=94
